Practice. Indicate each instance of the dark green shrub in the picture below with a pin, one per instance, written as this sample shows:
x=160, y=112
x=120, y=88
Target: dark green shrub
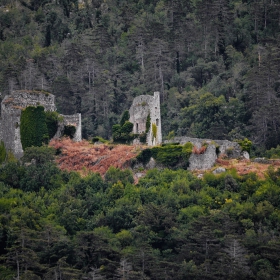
x=187, y=151
x=33, y=127
x=123, y=134
x=273, y=152
x=148, y=123
x=69, y=131
x=127, y=127
x=125, y=118
x=99, y=139
x=168, y=155
x=3, y=152
x=52, y=119
x=41, y=155
x=145, y=156
x=143, y=137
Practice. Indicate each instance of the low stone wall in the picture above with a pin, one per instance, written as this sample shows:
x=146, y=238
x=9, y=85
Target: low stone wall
x=203, y=161
x=208, y=159
x=225, y=146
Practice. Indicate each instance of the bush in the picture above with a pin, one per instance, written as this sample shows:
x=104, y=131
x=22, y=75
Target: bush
x=144, y=156
x=99, y=139
x=187, y=151
x=33, y=127
x=273, y=152
x=169, y=155
x=245, y=144
x=52, y=119
x=125, y=118
x=69, y=131
x=40, y=154
x=3, y=153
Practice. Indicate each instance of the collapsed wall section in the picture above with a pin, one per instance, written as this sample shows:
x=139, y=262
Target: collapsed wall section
x=70, y=120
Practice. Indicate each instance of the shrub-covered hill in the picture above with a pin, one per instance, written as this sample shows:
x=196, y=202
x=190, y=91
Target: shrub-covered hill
x=84, y=157
x=58, y=224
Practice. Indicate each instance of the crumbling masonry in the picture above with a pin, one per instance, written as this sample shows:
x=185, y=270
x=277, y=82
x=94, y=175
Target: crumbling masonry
x=11, y=108
x=141, y=107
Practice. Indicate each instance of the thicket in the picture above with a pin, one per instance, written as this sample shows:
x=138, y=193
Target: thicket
x=122, y=132
x=3, y=152
x=169, y=155
x=33, y=127
x=210, y=61
x=169, y=225
x=52, y=120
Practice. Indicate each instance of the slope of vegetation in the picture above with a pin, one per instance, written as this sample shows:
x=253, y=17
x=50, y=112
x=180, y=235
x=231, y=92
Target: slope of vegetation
x=169, y=225
x=215, y=62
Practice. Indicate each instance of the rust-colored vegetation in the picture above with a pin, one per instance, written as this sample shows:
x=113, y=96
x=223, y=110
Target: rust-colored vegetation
x=83, y=156
x=199, y=151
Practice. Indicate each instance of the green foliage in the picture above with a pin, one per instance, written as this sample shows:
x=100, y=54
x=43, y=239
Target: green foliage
x=187, y=151
x=69, y=131
x=245, y=144
x=33, y=127
x=143, y=138
x=148, y=123
x=273, y=152
x=3, y=152
x=125, y=118
x=122, y=133
x=171, y=135
x=154, y=130
x=144, y=156
x=41, y=154
x=114, y=175
x=52, y=119
x=169, y=154
x=99, y=139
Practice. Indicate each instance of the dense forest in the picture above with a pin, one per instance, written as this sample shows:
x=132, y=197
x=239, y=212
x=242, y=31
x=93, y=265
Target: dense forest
x=215, y=62
x=57, y=225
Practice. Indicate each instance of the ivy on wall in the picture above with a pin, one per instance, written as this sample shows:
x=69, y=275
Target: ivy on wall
x=3, y=152
x=33, y=127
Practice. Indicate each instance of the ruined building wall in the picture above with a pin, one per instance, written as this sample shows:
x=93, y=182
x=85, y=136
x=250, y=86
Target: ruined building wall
x=141, y=107
x=75, y=120
x=11, y=108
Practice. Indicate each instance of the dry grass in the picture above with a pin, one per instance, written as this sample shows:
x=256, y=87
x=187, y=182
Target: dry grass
x=83, y=156
x=199, y=151
x=246, y=166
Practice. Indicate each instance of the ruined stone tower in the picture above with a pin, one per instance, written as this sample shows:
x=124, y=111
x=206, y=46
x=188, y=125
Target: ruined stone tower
x=141, y=108
x=11, y=108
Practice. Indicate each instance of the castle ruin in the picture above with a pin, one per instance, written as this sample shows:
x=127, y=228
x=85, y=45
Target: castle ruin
x=141, y=108
x=11, y=108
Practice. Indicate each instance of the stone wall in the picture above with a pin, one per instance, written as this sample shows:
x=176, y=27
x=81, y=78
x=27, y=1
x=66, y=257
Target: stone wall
x=74, y=120
x=203, y=161
x=141, y=107
x=11, y=108
x=224, y=145
x=208, y=158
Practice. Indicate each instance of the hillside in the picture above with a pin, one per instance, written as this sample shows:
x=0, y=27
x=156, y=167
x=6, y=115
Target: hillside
x=214, y=62
x=84, y=157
